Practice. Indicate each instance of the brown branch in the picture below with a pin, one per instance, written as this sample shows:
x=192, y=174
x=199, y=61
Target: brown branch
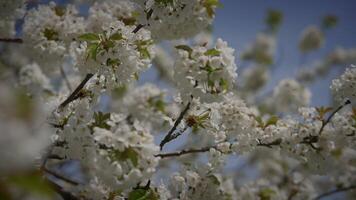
x=169, y=135
x=138, y=27
x=338, y=190
x=183, y=152
x=325, y=122
x=74, y=95
x=11, y=40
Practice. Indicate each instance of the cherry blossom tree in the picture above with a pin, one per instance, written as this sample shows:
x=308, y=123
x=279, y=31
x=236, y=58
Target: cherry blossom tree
x=70, y=101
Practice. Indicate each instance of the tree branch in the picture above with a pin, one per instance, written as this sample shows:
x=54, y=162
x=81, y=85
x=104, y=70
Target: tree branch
x=183, y=152
x=324, y=123
x=77, y=90
x=11, y=40
x=338, y=190
x=169, y=135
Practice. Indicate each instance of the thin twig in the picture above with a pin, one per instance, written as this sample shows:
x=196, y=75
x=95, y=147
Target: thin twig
x=338, y=190
x=65, y=78
x=183, y=152
x=169, y=135
x=11, y=40
x=324, y=123
x=138, y=27
x=74, y=95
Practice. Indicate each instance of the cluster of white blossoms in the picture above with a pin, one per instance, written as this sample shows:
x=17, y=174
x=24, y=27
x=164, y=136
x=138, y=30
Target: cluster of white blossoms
x=289, y=95
x=48, y=32
x=255, y=77
x=148, y=104
x=116, y=151
x=123, y=133
x=24, y=131
x=262, y=50
x=311, y=39
x=344, y=88
x=117, y=54
x=32, y=77
x=102, y=14
x=205, y=72
x=178, y=19
x=342, y=56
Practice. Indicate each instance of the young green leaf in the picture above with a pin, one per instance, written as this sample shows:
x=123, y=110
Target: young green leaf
x=89, y=37
x=212, y=52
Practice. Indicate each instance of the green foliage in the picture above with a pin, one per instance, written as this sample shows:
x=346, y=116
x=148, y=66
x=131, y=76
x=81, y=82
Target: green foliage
x=32, y=182
x=212, y=52
x=185, y=48
x=142, y=47
x=143, y=194
x=128, y=154
x=98, y=43
x=50, y=34
x=157, y=103
x=100, y=120
x=270, y=121
x=266, y=194
x=59, y=10
x=274, y=19
x=223, y=84
x=120, y=91
x=89, y=37
x=210, y=5
x=330, y=21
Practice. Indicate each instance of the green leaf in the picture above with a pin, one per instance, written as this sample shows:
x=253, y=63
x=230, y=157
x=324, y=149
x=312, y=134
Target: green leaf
x=89, y=37
x=185, y=48
x=274, y=19
x=112, y=62
x=59, y=10
x=100, y=120
x=116, y=36
x=266, y=194
x=272, y=121
x=223, y=84
x=214, y=179
x=127, y=154
x=50, y=34
x=92, y=51
x=143, y=194
x=210, y=6
x=330, y=21
x=32, y=183
x=212, y=52
x=259, y=121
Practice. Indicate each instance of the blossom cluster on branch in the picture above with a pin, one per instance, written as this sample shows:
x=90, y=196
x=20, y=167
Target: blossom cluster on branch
x=70, y=94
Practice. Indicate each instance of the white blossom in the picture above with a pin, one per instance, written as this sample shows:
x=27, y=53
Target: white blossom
x=205, y=72
x=344, y=88
x=311, y=39
x=178, y=19
x=288, y=95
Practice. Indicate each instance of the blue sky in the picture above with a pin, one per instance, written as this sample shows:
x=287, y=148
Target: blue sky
x=238, y=21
